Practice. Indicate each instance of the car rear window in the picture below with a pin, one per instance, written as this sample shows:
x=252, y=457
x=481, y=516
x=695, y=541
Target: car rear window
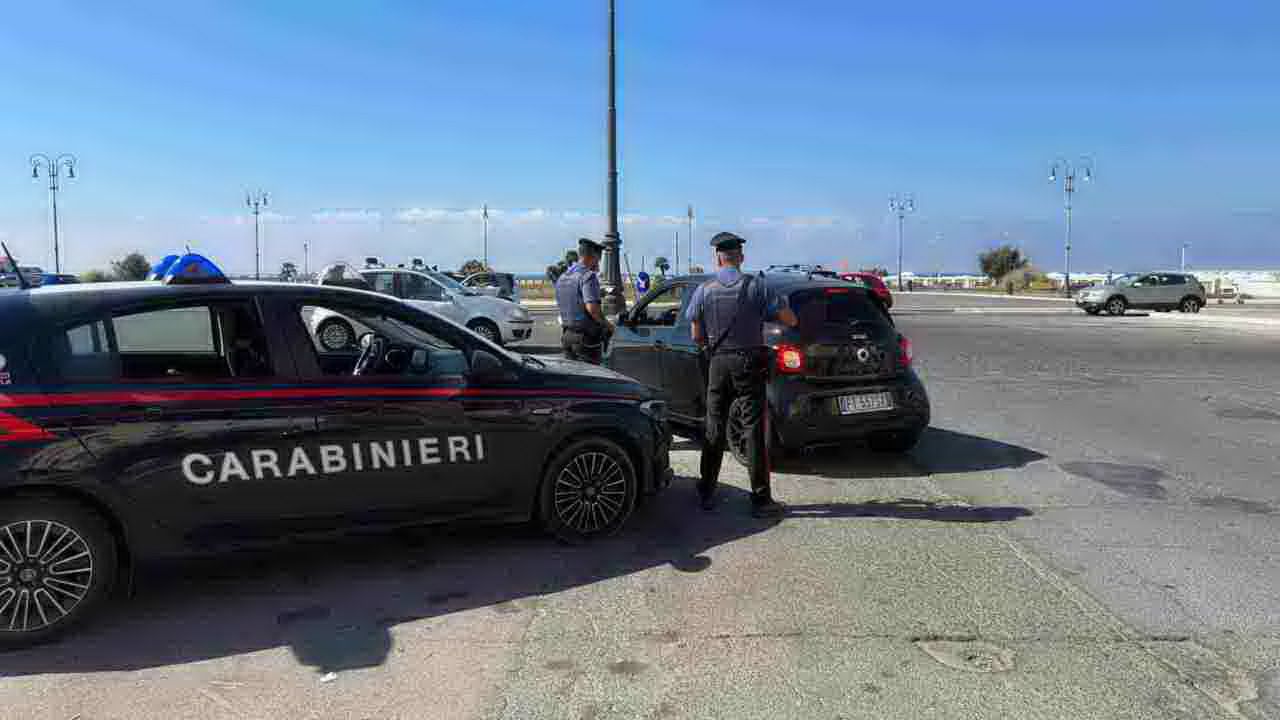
x=834, y=305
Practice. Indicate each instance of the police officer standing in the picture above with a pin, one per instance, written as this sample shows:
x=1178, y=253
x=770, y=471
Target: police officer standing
x=727, y=315
x=584, y=328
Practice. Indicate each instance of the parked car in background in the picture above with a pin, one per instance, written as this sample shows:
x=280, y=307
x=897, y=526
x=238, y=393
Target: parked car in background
x=872, y=282
x=495, y=320
x=846, y=373
x=1149, y=291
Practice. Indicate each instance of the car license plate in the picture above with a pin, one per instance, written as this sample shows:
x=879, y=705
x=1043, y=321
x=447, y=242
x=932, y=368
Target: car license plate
x=867, y=402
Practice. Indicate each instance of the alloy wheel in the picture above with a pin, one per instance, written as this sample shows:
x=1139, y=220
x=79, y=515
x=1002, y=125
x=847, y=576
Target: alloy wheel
x=590, y=492
x=46, y=569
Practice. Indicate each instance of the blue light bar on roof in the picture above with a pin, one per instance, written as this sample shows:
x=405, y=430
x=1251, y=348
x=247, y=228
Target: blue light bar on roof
x=194, y=269
x=162, y=267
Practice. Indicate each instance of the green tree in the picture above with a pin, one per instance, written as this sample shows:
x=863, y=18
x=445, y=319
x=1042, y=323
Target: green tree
x=471, y=267
x=133, y=266
x=1001, y=261
x=93, y=276
x=288, y=272
x=662, y=265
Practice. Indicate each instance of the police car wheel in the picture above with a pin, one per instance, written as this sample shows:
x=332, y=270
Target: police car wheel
x=486, y=330
x=57, y=566
x=336, y=334
x=589, y=491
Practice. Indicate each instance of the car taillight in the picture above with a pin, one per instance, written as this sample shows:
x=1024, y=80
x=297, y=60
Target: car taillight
x=790, y=359
x=905, y=353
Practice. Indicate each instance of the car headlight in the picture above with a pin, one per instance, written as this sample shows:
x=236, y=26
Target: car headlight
x=656, y=409
x=517, y=313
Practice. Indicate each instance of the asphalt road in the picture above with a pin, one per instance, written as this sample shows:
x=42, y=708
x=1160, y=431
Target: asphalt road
x=1090, y=530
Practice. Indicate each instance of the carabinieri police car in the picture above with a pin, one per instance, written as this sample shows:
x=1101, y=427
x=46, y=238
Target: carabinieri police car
x=147, y=420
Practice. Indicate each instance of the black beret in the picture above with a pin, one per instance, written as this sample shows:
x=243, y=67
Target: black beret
x=726, y=241
x=589, y=246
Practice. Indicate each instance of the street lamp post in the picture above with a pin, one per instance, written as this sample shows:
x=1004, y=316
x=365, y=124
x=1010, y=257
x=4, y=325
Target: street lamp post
x=690, y=218
x=256, y=203
x=1069, y=172
x=306, y=262
x=1182, y=265
x=901, y=205
x=484, y=218
x=613, y=301
x=53, y=169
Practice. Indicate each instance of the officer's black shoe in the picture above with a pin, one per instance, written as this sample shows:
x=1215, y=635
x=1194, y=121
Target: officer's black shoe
x=767, y=509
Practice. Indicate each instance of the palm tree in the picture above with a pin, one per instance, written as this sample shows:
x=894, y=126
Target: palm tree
x=662, y=265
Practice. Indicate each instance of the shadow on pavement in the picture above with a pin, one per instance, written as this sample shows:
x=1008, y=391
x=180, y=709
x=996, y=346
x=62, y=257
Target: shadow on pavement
x=909, y=509
x=332, y=603
x=939, y=452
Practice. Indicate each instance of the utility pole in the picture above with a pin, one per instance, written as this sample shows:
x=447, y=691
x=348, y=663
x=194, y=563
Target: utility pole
x=53, y=168
x=675, y=261
x=1182, y=266
x=1069, y=171
x=306, y=263
x=901, y=205
x=690, y=217
x=256, y=203
x=484, y=217
x=613, y=301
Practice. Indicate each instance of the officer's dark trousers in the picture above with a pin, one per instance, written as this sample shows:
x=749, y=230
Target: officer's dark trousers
x=585, y=346
x=732, y=375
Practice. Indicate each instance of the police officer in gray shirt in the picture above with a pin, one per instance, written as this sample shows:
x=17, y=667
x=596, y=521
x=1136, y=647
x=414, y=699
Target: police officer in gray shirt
x=584, y=328
x=727, y=314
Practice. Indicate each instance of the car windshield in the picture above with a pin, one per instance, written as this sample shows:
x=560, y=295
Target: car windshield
x=840, y=305
x=451, y=284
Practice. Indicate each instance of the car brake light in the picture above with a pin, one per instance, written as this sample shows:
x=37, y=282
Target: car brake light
x=905, y=353
x=790, y=359
x=837, y=291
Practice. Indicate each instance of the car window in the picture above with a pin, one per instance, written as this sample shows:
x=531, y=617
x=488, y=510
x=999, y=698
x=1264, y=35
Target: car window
x=201, y=342
x=417, y=287
x=1174, y=280
x=180, y=330
x=816, y=306
x=442, y=356
x=663, y=309
x=381, y=282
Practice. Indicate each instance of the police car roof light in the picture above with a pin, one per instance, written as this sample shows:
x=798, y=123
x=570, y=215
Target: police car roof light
x=161, y=268
x=194, y=269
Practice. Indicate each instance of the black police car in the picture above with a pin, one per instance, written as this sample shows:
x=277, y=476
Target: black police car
x=146, y=420
x=844, y=374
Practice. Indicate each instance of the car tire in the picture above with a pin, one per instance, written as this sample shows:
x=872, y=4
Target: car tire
x=66, y=581
x=1116, y=306
x=736, y=442
x=896, y=441
x=335, y=334
x=486, y=329
x=588, y=492
x=1189, y=305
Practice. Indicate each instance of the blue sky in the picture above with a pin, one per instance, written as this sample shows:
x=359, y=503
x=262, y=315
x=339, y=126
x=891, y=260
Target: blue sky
x=379, y=128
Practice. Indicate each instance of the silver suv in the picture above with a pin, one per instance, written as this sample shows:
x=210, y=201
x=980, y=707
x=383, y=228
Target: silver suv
x=1152, y=291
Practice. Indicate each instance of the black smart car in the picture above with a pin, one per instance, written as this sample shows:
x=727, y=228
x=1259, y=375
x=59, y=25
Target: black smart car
x=844, y=374
x=144, y=420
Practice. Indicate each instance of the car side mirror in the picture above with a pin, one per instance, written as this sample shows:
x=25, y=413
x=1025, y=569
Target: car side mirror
x=486, y=367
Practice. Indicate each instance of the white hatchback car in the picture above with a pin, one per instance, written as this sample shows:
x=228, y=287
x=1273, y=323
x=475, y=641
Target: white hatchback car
x=498, y=321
